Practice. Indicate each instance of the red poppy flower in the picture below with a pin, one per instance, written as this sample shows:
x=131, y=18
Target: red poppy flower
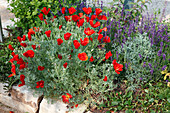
x=13, y=69
x=80, y=22
x=60, y=26
x=106, y=39
x=91, y=39
x=22, y=77
x=41, y=68
x=44, y=10
x=19, y=39
x=11, y=75
x=75, y=18
x=83, y=56
x=72, y=51
x=89, y=31
x=87, y=18
x=100, y=36
x=72, y=107
x=104, y=29
x=117, y=67
x=45, y=21
x=31, y=31
x=66, y=97
x=23, y=44
x=76, y=44
x=29, y=36
x=93, y=17
x=87, y=10
x=36, y=29
x=40, y=84
x=97, y=24
x=41, y=16
x=11, y=112
x=20, y=61
x=102, y=17
x=22, y=66
x=10, y=47
x=34, y=47
x=67, y=36
x=98, y=11
x=23, y=39
x=63, y=10
x=59, y=41
x=29, y=53
x=80, y=15
x=91, y=59
x=85, y=42
x=48, y=33
x=109, y=54
x=71, y=10
x=59, y=56
x=13, y=54
x=16, y=57
x=65, y=65
x=105, y=78
x=68, y=18
x=76, y=105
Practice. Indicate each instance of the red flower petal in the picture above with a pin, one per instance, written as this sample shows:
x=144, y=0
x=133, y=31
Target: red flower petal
x=105, y=78
x=10, y=47
x=34, y=47
x=48, y=33
x=59, y=41
x=41, y=68
x=83, y=56
x=67, y=36
x=87, y=10
x=98, y=11
x=65, y=65
x=72, y=10
x=41, y=16
x=63, y=10
x=109, y=54
x=44, y=10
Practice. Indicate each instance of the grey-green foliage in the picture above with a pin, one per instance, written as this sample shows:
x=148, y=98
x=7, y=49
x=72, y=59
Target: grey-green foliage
x=130, y=52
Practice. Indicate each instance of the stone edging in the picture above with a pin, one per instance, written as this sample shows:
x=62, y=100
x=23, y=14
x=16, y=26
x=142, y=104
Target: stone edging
x=23, y=100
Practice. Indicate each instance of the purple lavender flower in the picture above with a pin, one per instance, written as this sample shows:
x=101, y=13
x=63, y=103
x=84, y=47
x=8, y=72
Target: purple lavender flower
x=38, y=10
x=141, y=78
x=140, y=55
x=166, y=80
x=150, y=65
x=159, y=52
x=164, y=56
x=164, y=67
x=161, y=44
x=144, y=64
x=151, y=71
x=111, y=58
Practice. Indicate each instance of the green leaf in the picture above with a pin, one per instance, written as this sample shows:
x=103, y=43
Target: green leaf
x=151, y=100
x=114, y=103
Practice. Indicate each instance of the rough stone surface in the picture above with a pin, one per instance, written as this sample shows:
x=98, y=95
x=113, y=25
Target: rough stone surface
x=59, y=107
x=21, y=98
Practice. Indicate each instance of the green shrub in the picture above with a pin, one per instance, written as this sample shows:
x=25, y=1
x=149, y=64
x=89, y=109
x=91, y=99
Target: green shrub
x=64, y=75
x=27, y=10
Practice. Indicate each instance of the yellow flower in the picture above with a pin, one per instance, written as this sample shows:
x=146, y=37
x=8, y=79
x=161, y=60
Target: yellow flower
x=164, y=71
x=168, y=74
x=168, y=84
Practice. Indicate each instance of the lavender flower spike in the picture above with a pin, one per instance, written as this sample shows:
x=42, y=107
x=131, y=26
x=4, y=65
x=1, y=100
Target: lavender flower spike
x=164, y=67
x=164, y=56
x=150, y=65
x=140, y=55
